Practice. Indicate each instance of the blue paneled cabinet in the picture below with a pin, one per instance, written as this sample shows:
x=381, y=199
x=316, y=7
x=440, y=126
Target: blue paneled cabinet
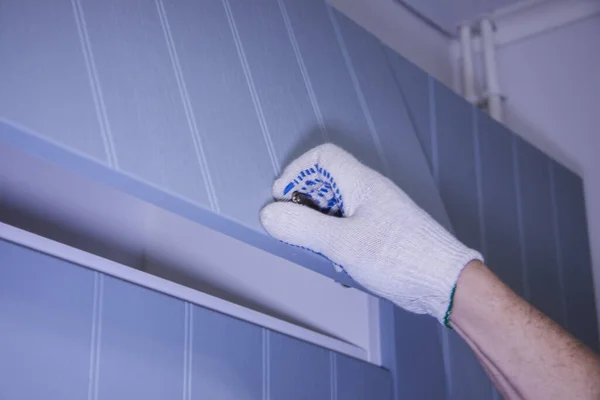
x=195, y=107
x=67, y=332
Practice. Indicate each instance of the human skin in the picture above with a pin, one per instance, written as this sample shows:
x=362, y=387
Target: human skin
x=525, y=353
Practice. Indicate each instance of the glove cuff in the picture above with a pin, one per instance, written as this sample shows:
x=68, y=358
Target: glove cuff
x=444, y=257
x=455, y=259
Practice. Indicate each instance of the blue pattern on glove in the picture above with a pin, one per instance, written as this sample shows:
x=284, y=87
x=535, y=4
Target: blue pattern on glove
x=321, y=188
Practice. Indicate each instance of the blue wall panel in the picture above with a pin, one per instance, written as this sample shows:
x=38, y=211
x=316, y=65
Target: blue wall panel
x=389, y=118
x=498, y=194
x=43, y=75
x=70, y=333
x=416, y=337
x=415, y=86
x=226, y=357
x=455, y=165
x=140, y=337
x=544, y=286
x=357, y=380
x=144, y=110
x=418, y=354
x=503, y=250
x=298, y=370
x=282, y=83
x=334, y=89
x=574, y=255
x=387, y=337
x=225, y=110
x=46, y=308
x=209, y=99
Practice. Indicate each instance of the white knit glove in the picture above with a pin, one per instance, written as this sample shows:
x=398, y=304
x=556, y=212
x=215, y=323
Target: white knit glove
x=384, y=240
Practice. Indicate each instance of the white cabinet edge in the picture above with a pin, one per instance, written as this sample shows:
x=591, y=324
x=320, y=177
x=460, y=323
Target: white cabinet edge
x=91, y=261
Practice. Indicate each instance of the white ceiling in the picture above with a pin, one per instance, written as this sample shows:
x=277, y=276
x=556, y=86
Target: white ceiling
x=448, y=14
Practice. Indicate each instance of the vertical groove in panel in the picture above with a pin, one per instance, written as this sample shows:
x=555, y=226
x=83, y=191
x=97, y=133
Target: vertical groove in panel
x=185, y=99
x=433, y=129
x=94, y=373
x=446, y=355
x=333, y=379
x=252, y=88
x=307, y=81
x=478, y=186
x=521, y=232
x=388, y=338
x=266, y=395
x=188, y=334
x=557, y=243
x=92, y=376
x=99, y=336
x=95, y=86
x=190, y=349
x=357, y=89
x=186, y=351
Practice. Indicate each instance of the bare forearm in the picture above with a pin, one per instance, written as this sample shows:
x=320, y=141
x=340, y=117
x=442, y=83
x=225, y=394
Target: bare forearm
x=537, y=357
x=500, y=381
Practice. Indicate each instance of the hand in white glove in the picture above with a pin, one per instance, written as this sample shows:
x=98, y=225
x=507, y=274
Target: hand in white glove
x=384, y=240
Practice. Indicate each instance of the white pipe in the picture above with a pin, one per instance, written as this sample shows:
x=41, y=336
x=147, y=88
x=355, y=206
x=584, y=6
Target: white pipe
x=492, y=88
x=468, y=75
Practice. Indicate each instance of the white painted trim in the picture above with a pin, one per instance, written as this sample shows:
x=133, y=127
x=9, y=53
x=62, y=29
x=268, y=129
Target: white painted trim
x=468, y=71
x=67, y=253
x=532, y=18
x=492, y=88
